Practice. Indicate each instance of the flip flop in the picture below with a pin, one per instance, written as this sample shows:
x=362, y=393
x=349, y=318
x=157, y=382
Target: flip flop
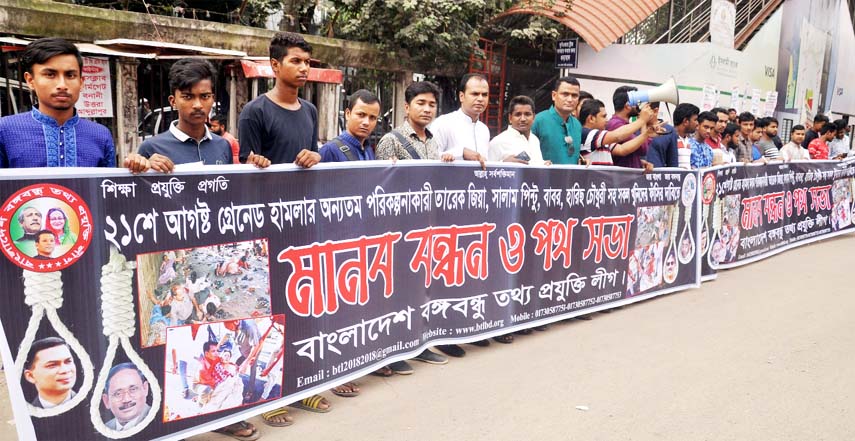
x=352, y=392
x=311, y=404
x=268, y=416
x=236, y=427
x=384, y=371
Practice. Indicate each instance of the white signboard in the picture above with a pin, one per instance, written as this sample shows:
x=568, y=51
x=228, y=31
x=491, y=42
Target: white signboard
x=722, y=23
x=96, y=97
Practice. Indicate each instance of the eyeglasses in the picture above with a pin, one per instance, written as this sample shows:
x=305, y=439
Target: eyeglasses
x=119, y=394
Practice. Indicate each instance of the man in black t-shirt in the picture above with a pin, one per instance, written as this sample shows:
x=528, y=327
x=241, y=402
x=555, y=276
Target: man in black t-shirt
x=279, y=125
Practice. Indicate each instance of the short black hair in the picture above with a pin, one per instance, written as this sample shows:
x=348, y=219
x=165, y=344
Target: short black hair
x=685, y=111
x=569, y=80
x=621, y=96
x=765, y=122
x=840, y=124
x=718, y=110
x=820, y=118
x=43, y=49
x=461, y=87
x=827, y=128
x=221, y=119
x=745, y=117
x=796, y=127
x=43, y=232
x=41, y=345
x=584, y=95
x=118, y=368
x=730, y=129
x=207, y=345
x=420, y=87
x=520, y=100
x=188, y=72
x=707, y=116
x=731, y=110
x=590, y=108
x=361, y=95
x=282, y=41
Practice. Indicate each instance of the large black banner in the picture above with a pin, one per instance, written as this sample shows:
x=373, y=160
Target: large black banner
x=756, y=211
x=167, y=305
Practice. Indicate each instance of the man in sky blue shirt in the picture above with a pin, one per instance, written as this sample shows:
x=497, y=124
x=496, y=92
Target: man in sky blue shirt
x=559, y=132
x=363, y=110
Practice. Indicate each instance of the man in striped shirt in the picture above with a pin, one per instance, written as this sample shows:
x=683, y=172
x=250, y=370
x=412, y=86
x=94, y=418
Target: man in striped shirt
x=598, y=144
x=769, y=127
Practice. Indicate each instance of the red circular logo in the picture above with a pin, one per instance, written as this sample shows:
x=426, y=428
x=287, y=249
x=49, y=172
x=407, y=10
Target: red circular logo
x=45, y=227
x=708, y=188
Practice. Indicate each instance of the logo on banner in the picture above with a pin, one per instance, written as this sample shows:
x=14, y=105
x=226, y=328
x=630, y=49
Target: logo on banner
x=45, y=227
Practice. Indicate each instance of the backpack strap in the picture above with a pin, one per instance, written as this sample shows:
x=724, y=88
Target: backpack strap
x=348, y=152
x=408, y=145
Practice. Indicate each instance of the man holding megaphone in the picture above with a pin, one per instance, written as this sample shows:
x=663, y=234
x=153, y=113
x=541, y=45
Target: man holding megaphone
x=626, y=100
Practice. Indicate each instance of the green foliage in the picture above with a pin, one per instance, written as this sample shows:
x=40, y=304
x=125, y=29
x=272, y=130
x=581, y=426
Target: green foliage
x=433, y=32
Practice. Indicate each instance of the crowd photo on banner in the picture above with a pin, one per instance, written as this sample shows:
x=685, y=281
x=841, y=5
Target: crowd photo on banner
x=178, y=291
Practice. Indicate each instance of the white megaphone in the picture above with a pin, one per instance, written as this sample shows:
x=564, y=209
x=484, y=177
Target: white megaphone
x=667, y=92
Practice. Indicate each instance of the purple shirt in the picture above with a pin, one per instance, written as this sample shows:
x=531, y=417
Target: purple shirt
x=632, y=160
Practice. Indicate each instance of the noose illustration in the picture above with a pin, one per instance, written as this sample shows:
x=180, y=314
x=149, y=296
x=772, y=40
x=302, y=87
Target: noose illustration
x=119, y=323
x=43, y=293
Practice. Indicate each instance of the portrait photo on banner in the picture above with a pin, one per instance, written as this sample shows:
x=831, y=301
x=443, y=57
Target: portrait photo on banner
x=125, y=399
x=726, y=241
x=51, y=376
x=201, y=285
x=843, y=209
x=655, y=237
x=223, y=365
x=45, y=228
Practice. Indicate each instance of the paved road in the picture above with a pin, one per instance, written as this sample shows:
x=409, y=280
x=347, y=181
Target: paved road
x=763, y=353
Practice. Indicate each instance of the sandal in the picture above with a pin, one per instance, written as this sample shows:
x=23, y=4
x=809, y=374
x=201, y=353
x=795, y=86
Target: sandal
x=506, y=339
x=384, y=371
x=277, y=418
x=354, y=390
x=232, y=431
x=312, y=404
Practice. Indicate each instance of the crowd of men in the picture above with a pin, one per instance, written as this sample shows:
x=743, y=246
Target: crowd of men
x=279, y=127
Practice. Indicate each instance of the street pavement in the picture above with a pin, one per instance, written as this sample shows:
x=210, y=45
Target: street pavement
x=762, y=353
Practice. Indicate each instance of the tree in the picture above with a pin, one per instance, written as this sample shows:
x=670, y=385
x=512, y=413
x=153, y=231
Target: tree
x=433, y=32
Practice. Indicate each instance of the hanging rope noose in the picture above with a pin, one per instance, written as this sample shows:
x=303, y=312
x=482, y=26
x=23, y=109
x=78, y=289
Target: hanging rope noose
x=119, y=322
x=43, y=293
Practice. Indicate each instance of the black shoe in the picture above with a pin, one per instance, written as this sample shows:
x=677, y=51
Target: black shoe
x=452, y=350
x=540, y=328
x=431, y=357
x=401, y=368
x=584, y=317
x=481, y=343
x=524, y=331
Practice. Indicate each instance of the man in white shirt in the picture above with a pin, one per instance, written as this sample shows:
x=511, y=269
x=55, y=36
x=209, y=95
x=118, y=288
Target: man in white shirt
x=51, y=369
x=793, y=150
x=460, y=132
x=838, y=148
x=517, y=143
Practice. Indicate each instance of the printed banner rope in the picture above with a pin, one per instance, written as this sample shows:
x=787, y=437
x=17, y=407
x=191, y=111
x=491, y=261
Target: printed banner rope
x=43, y=293
x=119, y=322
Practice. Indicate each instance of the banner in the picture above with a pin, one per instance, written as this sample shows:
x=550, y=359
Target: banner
x=756, y=211
x=161, y=306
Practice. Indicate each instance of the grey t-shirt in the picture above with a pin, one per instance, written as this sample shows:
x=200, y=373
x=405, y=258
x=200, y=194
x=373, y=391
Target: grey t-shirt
x=276, y=133
x=769, y=149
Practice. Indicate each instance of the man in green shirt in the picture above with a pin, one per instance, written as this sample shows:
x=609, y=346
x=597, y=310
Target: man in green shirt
x=557, y=129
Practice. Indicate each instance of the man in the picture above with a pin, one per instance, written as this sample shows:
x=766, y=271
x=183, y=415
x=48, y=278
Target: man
x=818, y=148
x=461, y=133
x=188, y=139
x=793, y=150
x=558, y=131
x=838, y=148
x=702, y=154
x=279, y=125
x=769, y=130
x=756, y=152
x=45, y=244
x=732, y=116
x=819, y=121
x=51, y=369
x=714, y=141
x=413, y=139
x=583, y=96
x=125, y=396
x=361, y=114
x=599, y=144
x=30, y=220
x=745, y=146
x=623, y=112
x=730, y=138
x=218, y=126
x=664, y=149
x=517, y=143
x=52, y=135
